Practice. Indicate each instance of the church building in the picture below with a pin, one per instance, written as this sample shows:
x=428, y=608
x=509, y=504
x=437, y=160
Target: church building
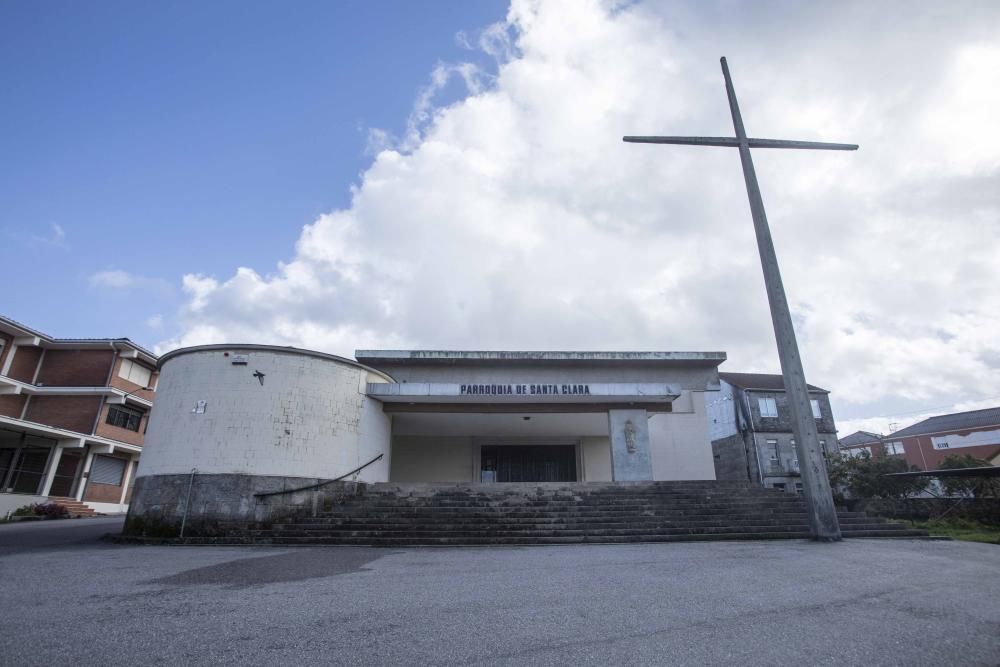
x=251, y=419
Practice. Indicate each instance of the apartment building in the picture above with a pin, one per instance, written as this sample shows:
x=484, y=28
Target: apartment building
x=73, y=413
x=750, y=425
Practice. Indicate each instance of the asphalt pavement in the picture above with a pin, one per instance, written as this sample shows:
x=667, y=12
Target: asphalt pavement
x=70, y=599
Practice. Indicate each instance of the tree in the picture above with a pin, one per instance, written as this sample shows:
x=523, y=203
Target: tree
x=972, y=487
x=863, y=476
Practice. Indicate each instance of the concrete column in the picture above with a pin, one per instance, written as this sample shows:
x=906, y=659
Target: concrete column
x=84, y=474
x=126, y=479
x=50, y=473
x=5, y=370
x=629, y=435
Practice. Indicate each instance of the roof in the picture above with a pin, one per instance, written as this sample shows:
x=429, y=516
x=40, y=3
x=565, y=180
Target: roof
x=15, y=328
x=235, y=348
x=956, y=421
x=860, y=438
x=760, y=381
x=452, y=357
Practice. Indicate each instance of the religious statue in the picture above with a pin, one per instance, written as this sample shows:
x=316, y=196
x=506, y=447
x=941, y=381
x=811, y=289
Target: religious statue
x=630, y=436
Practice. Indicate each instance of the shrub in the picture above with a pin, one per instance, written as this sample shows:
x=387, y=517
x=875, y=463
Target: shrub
x=863, y=477
x=50, y=510
x=973, y=487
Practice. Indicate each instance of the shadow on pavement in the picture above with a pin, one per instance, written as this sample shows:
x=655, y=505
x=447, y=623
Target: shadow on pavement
x=297, y=565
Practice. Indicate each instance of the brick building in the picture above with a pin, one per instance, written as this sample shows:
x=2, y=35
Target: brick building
x=927, y=443
x=750, y=425
x=866, y=442
x=72, y=417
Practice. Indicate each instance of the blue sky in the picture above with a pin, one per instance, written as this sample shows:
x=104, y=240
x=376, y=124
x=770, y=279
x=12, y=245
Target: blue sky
x=190, y=137
x=186, y=173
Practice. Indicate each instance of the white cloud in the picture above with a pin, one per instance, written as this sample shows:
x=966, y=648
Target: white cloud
x=113, y=279
x=516, y=217
x=55, y=238
x=155, y=322
x=116, y=279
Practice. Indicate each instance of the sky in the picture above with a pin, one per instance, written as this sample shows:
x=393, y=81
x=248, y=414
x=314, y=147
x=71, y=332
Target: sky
x=342, y=176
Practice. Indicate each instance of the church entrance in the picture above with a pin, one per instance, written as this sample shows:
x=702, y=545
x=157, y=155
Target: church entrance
x=528, y=463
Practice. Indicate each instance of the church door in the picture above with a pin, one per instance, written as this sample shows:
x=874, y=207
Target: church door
x=529, y=463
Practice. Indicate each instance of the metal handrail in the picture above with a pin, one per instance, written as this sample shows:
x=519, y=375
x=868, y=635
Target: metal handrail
x=319, y=484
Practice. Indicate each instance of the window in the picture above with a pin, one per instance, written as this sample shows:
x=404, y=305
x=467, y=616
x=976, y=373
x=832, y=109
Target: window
x=940, y=441
x=107, y=470
x=123, y=417
x=778, y=485
x=134, y=373
x=822, y=446
x=855, y=452
x=772, y=449
x=768, y=408
x=815, y=406
x=892, y=448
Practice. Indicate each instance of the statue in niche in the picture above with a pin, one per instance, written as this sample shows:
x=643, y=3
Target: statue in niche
x=630, y=436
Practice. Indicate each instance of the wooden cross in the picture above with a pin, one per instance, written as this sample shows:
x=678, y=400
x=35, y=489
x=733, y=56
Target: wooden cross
x=822, y=513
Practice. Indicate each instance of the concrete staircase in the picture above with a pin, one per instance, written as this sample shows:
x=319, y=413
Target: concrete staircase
x=564, y=513
x=73, y=506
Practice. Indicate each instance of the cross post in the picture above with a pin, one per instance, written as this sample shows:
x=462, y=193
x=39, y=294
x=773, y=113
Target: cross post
x=822, y=514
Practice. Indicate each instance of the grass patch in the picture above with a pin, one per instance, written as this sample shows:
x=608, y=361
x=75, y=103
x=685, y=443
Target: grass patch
x=961, y=529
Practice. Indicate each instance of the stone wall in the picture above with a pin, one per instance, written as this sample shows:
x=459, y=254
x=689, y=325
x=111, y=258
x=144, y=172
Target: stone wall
x=825, y=426
x=224, y=505
x=986, y=510
x=730, y=458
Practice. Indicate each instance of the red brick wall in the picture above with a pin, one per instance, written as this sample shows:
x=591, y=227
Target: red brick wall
x=107, y=493
x=920, y=450
x=106, y=430
x=75, y=368
x=103, y=493
x=11, y=406
x=25, y=361
x=75, y=413
x=119, y=382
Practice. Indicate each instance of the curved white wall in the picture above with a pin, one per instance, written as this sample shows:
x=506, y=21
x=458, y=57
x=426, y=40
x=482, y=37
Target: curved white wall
x=309, y=418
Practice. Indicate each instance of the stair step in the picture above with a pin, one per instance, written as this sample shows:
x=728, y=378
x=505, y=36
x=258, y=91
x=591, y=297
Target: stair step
x=464, y=514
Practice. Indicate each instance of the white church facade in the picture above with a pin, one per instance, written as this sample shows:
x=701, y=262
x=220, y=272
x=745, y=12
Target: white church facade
x=268, y=413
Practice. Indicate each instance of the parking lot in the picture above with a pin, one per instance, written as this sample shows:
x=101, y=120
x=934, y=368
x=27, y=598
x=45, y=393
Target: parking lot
x=71, y=599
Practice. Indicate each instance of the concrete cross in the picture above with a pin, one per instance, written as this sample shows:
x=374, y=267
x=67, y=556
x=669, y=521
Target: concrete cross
x=822, y=513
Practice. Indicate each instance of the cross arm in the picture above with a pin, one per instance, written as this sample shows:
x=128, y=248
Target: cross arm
x=687, y=141
x=734, y=142
x=786, y=143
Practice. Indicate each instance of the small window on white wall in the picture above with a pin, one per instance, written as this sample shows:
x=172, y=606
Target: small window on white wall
x=768, y=408
x=135, y=373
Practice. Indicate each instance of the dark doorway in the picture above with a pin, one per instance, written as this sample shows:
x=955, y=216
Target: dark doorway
x=63, y=482
x=529, y=463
